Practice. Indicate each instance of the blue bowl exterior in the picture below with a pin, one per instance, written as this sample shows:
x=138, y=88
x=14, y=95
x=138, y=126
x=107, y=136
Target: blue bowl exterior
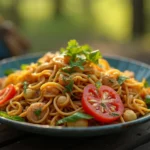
x=141, y=71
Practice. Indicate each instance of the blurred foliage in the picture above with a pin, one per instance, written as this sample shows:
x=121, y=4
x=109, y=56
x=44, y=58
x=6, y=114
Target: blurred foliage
x=85, y=20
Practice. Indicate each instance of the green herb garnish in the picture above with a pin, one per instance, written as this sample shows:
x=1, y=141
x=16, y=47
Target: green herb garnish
x=114, y=114
x=89, y=76
x=121, y=79
x=146, y=84
x=103, y=105
x=16, y=118
x=98, y=84
x=37, y=112
x=78, y=63
x=73, y=118
x=147, y=99
x=25, y=86
x=111, y=80
x=79, y=54
x=24, y=66
x=94, y=56
x=69, y=87
x=39, y=63
x=9, y=71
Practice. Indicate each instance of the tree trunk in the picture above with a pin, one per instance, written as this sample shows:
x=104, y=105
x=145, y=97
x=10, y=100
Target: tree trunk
x=138, y=18
x=13, y=12
x=58, y=7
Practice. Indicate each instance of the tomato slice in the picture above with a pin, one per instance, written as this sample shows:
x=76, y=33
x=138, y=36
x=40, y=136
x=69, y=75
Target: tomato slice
x=104, y=104
x=7, y=93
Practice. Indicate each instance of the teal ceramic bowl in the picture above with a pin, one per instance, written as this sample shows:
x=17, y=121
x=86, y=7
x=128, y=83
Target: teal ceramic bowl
x=141, y=71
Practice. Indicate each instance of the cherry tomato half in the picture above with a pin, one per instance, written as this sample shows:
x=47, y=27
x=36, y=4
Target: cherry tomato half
x=7, y=93
x=104, y=104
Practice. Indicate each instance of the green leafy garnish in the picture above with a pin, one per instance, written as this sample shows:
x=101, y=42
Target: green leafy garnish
x=69, y=87
x=89, y=76
x=114, y=114
x=121, y=79
x=24, y=66
x=37, y=112
x=103, y=105
x=94, y=56
x=98, y=84
x=79, y=54
x=25, y=86
x=16, y=118
x=78, y=63
x=39, y=63
x=9, y=71
x=73, y=118
x=111, y=80
x=146, y=84
x=147, y=99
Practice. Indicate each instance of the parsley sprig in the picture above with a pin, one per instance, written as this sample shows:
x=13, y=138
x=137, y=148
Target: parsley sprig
x=79, y=55
x=69, y=86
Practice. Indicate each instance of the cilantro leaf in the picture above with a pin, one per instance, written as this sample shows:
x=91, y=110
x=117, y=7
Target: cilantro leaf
x=73, y=118
x=80, y=54
x=69, y=87
x=37, y=112
x=146, y=84
x=86, y=49
x=98, y=84
x=94, y=56
x=78, y=63
x=121, y=79
x=72, y=49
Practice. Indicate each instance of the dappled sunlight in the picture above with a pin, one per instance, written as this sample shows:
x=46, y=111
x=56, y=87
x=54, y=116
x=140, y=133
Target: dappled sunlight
x=113, y=20
x=38, y=10
x=48, y=24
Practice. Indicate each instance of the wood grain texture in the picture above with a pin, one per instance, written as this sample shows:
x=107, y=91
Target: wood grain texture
x=127, y=140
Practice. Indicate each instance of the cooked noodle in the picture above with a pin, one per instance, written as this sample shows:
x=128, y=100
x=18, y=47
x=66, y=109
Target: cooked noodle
x=46, y=89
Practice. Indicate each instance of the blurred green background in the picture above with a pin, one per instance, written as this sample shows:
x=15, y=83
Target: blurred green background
x=116, y=27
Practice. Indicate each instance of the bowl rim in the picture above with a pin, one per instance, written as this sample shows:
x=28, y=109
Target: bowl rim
x=27, y=125
x=38, y=54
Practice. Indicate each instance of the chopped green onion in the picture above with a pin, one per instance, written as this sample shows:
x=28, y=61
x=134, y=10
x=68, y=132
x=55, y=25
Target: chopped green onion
x=16, y=118
x=114, y=114
x=25, y=86
x=73, y=118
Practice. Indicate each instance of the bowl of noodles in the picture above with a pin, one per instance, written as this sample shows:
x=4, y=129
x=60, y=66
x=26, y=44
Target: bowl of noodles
x=73, y=92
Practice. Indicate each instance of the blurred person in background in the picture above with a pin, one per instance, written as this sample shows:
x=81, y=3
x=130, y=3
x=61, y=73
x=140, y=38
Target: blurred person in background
x=11, y=42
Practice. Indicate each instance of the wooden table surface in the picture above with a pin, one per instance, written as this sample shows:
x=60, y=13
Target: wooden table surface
x=135, y=138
